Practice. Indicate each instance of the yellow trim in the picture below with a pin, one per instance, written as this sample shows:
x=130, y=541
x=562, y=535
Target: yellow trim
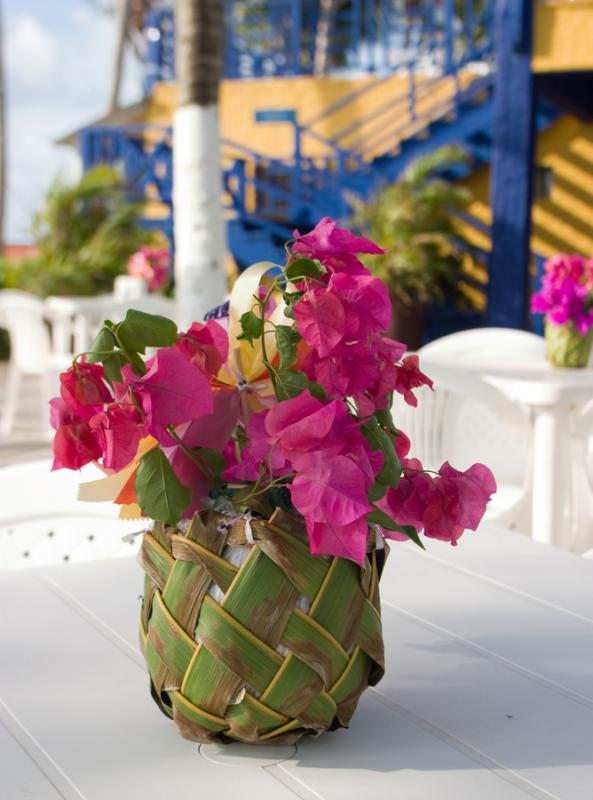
x=176, y=625
x=346, y=671
x=295, y=723
x=315, y=604
x=200, y=711
x=190, y=666
x=265, y=694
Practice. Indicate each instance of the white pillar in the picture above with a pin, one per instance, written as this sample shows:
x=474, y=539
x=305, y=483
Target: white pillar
x=200, y=278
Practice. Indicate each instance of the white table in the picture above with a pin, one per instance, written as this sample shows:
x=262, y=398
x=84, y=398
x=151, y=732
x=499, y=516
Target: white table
x=554, y=398
x=488, y=693
x=552, y=395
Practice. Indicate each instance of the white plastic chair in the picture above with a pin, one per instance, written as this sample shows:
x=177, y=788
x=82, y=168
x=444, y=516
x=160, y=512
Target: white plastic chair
x=30, y=354
x=486, y=347
x=42, y=522
x=465, y=420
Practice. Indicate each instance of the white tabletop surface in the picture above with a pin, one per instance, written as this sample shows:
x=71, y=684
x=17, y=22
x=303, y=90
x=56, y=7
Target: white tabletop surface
x=488, y=693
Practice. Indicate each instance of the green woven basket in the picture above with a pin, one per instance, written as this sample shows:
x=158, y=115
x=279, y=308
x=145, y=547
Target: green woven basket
x=281, y=646
x=566, y=347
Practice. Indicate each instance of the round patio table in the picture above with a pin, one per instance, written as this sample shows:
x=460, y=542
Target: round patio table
x=552, y=395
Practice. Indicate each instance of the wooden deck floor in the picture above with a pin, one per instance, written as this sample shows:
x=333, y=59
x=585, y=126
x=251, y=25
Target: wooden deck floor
x=27, y=442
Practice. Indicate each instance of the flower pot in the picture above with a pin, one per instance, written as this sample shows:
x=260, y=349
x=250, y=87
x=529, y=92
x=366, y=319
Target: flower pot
x=250, y=638
x=566, y=347
x=407, y=324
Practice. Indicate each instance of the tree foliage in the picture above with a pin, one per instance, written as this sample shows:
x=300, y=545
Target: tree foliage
x=414, y=219
x=86, y=233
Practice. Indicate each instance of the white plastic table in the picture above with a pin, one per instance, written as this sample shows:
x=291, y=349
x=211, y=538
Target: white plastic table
x=488, y=693
x=554, y=398
x=552, y=395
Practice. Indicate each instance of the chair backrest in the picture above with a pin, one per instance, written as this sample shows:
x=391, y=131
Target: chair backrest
x=464, y=420
x=486, y=347
x=42, y=522
x=23, y=316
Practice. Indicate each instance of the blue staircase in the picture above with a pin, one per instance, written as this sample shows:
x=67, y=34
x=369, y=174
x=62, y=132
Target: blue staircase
x=441, y=53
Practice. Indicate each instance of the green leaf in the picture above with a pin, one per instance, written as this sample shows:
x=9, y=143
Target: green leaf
x=380, y=440
x=214, y=458
x=160, y=493
x=280, y=498
x=112, y=365
x=140, y=330
x=287, y=339
x=290, y=384
x=302, y=267
x=290, y=298
x=377, y=491
x=103, y=344
x=317, y=390
x=380, y=518
x=252, y=327
x=384, y=418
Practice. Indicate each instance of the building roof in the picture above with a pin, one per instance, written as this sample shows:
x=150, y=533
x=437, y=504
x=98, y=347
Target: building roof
x=127, y=115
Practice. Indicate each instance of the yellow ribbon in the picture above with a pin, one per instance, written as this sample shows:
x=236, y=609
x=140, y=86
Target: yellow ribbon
x=245, y=366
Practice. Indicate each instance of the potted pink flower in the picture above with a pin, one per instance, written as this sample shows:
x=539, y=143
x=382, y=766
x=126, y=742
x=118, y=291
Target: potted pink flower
x=261, y=447
x=153, y=265
x=566, y=299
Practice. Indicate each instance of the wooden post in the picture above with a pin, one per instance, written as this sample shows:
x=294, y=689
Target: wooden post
x=512, y=164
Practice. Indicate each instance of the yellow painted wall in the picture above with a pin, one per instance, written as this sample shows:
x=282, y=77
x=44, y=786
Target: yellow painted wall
x=309, y=97
x=563, y=35
x=564, y=221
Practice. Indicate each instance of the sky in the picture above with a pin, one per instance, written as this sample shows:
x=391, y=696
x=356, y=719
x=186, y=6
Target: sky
x=58, y=58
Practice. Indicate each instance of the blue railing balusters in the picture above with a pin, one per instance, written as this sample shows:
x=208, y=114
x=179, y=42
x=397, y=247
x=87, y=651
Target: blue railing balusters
x=277, y=37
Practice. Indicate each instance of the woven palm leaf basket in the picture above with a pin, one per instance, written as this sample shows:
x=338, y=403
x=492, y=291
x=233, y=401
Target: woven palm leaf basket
x=250, y=638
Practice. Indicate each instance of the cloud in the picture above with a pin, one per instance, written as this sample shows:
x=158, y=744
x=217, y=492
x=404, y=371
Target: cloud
x=31, y=56
x=57, y=80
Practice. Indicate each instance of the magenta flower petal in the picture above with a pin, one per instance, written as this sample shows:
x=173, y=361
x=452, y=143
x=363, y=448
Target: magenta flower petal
x=173, y=390
x=330, y=490
x=346, y=541
x=320, y=319
x=326, y=239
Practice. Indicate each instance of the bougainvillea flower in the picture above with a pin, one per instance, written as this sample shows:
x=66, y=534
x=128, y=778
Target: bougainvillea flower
x=83, y=389
x=118, y=430
x=75, y=445
x=173, y=390
x=213, y=430
x=346, y=541
x=344, y=374
x=206, y=345
x=330, y=489
x=409, y=377
x=407, y=502
x=457, y=501
x=259, y=451
x=320, y=319
x=366, y=303
x=402, y=444
x=326, y=239
x=444, y=506
x=305, y=424
x=566, y=294
x=152, y=264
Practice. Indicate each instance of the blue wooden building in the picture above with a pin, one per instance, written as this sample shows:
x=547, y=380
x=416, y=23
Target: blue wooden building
x=508, y=80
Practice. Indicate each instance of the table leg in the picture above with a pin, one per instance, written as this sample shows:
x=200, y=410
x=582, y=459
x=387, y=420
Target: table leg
x=551, y=479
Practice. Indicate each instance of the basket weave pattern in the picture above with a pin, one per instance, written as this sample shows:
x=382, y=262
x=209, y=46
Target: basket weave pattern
x=254, y=667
